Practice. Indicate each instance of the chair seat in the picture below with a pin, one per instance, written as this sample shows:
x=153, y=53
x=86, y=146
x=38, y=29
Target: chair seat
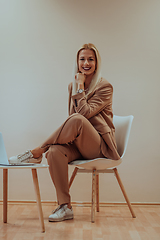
x=97, y=163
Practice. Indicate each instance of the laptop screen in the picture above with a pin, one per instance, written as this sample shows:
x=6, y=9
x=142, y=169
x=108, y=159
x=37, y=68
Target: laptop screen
x=3, y=154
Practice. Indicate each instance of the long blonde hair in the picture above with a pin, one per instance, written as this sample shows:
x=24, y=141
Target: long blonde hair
x=97, y=76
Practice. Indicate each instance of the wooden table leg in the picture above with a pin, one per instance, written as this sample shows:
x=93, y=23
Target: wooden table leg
x=36, y=186
x=5, y=194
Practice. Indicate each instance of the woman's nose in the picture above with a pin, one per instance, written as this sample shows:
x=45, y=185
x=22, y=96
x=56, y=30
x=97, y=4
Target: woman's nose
x=86, y=62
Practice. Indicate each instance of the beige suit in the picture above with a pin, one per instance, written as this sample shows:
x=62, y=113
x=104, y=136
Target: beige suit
x=87, y=133
x=97, y=108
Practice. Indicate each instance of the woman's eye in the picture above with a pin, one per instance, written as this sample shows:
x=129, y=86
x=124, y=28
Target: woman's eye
x=90, y=59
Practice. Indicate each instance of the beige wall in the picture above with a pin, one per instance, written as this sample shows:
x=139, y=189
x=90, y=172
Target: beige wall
x=38, y=41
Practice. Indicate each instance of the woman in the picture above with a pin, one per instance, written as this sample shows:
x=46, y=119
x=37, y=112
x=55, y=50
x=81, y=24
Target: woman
x=87, y=133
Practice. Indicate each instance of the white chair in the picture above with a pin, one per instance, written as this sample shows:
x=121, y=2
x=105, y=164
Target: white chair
x=103, y=165
x=33, y=168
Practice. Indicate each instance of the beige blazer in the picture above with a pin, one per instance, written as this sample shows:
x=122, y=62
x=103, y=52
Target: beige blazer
x=97, y=108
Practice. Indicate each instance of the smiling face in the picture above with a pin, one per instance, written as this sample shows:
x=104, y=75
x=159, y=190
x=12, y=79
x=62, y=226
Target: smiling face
x=87, y=61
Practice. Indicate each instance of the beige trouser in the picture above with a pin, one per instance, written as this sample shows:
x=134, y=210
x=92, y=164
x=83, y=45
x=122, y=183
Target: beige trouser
x=76, y=139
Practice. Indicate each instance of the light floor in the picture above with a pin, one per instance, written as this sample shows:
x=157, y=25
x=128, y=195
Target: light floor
x=112, y=223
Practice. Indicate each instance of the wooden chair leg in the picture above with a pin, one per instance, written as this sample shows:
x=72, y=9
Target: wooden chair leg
x=124, y=192
x=97, y=192
x=5, y=194
x=73, y=176
x=93, y=195
x=36, y=186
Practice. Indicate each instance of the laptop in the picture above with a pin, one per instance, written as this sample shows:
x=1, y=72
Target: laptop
x=3, y=156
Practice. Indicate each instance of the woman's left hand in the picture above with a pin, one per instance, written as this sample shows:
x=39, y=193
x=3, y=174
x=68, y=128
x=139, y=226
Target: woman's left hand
x=80, y=78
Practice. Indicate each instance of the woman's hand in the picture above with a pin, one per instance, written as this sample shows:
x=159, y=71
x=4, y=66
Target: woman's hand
x=80, y=79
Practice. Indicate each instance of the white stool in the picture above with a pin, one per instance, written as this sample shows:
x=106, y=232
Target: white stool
x=36, y=187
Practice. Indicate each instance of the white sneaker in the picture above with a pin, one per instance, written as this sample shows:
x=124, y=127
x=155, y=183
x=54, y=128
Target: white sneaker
x=61, y=213
x=26, y=157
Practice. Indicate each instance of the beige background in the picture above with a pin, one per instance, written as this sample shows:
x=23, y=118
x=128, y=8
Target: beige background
x=38, y=42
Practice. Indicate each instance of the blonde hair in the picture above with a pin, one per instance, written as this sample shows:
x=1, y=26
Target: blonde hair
x=97, y=76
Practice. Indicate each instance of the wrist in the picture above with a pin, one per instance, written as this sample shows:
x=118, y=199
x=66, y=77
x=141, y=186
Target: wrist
x=80, y=86
x=80, y=90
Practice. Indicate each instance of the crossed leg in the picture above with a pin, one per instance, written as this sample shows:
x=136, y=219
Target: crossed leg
x=75, y=139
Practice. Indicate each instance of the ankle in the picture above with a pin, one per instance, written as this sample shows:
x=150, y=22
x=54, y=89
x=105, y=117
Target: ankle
x=37, y=152
x=69, y=205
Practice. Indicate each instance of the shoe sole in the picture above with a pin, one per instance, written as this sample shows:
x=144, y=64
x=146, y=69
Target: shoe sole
x=60, y=219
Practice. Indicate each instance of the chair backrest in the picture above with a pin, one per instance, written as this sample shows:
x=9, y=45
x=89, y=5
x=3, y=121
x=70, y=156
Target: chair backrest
x=122, y=131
